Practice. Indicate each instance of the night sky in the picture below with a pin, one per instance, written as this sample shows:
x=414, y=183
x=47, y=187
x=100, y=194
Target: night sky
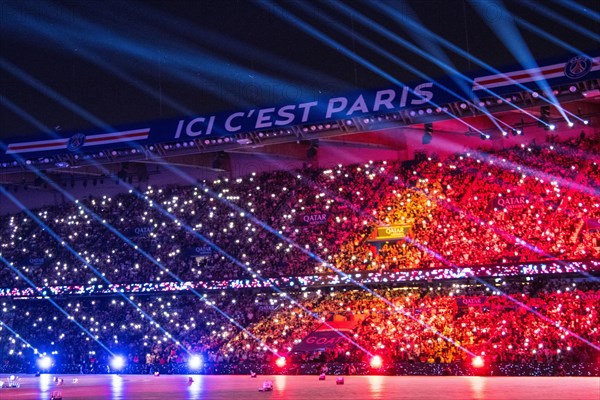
x=70, y=65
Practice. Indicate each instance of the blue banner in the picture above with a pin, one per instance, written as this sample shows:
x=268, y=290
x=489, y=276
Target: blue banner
x=392, y=99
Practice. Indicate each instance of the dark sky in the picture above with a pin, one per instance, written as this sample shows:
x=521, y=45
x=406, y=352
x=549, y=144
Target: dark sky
x=79, y=64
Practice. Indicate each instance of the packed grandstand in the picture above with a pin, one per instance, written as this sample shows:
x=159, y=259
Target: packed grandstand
x=493, y=256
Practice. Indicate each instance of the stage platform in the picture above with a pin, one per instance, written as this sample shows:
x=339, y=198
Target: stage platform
x=237, y=387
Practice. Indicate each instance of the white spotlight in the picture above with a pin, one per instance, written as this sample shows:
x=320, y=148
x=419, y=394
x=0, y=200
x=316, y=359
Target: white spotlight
x=117, y=362
x=195, y=362
x=44, y=362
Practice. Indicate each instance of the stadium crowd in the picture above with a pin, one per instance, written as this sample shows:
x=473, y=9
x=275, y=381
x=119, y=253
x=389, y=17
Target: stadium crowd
x=535, y=322
x=517, y=320
x=460, y=210
x=258, y=225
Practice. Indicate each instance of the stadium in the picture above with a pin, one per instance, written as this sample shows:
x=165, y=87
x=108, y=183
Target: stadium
x=362, y=199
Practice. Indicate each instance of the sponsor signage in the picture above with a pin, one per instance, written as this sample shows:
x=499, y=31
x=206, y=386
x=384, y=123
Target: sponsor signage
x=35, y=261
x=387, y=233
x=268, y=307
x=590, y=297
x=140, y=231
x=509, y=202
x=327, y=336
x=312, y=219
x=199, y=251
x=478, y=301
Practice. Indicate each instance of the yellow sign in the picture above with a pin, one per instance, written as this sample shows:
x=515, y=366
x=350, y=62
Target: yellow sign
x=392, y=232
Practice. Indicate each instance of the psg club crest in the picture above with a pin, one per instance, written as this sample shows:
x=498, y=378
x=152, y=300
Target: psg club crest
x=578, y=67
x=76, y=142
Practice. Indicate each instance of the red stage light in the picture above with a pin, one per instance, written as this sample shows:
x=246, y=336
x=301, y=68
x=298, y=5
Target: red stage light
x=376, y=362
x=478, y=362
x=280, y=362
